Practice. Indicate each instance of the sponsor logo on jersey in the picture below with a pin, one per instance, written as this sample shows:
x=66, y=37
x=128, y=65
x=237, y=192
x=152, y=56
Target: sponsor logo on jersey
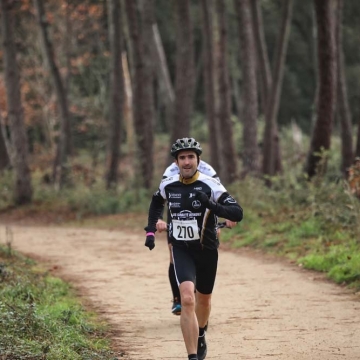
x=168, y=179
x=198, y=188
x=230, y=200
x=186, y=214
x=217, y=182
x=174, y=204
x=174, y=196
x=196, y=204
x=191, y=195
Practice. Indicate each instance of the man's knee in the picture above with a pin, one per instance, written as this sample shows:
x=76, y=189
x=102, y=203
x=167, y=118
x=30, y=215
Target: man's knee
x=187, y=294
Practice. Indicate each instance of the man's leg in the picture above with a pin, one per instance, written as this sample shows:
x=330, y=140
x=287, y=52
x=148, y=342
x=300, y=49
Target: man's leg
x=205, y=279
x=186, y=273
x=176, y=306
x=203, y=308
x=188, y=320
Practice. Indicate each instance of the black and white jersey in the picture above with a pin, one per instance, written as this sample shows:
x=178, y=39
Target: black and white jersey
x=190, y=221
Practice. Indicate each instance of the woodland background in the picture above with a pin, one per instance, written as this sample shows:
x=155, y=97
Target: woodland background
x=94, y=92
x=98, y=90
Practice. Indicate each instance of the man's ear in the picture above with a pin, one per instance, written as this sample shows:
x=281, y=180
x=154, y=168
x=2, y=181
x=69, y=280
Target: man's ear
x=198, y=160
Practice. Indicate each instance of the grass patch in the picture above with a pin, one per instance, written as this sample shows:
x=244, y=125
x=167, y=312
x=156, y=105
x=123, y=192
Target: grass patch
x=312, y=223
x=40, y=317
x=341, y=263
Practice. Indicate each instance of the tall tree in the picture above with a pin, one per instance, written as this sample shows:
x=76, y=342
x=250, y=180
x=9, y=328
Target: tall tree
x=343, y=108
x=265, y=75
x=23, y=188
x=4, y=156
x=263, y=57
x=209, y=83
x=61, y=165
x=229, y=158
x=357, y=149
x=249, y=93
x=116, y=93
x=184, y=71
x=166, y=94
x=143, y=83
x=321, y=136
x=271, y=138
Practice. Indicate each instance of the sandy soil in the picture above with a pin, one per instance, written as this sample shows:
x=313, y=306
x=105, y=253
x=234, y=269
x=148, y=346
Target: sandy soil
x=262, y=308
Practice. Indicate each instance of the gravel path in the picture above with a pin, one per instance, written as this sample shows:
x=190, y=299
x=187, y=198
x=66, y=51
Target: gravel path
x=262, y=309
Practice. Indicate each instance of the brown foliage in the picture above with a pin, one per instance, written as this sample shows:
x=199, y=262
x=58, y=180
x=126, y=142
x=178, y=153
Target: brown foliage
x=354, y=178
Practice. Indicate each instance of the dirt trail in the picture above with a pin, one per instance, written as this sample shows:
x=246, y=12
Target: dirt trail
x=262, y=309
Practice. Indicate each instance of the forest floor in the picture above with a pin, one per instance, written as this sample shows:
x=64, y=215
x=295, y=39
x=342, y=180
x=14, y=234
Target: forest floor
x=263, y=308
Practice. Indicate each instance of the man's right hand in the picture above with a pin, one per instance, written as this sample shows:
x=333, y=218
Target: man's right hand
x=161, y=226
x=150, y=241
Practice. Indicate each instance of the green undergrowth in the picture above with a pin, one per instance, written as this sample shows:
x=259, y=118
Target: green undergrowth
x=80, y=200
x=40, y=317
x=315, y=224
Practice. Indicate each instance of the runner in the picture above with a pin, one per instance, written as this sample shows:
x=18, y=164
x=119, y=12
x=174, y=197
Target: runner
x=161, y=226
x=195, y=201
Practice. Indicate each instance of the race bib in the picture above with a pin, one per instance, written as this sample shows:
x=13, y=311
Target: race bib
x=185, y=230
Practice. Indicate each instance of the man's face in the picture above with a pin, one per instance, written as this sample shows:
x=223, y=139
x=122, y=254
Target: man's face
x=187, y=162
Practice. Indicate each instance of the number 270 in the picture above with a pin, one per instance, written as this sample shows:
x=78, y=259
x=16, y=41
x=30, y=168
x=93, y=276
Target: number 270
x=185, y=231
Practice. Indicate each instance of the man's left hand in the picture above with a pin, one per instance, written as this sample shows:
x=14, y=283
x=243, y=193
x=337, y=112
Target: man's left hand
x=230, y=224
x=203, y=198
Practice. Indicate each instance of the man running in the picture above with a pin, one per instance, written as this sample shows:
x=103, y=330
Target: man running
x=194, y=201
x=161, y=226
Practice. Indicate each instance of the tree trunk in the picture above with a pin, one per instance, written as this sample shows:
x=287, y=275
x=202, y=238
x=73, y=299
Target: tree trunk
x=116, y=93
x=357, y=150
x=61, y=166
x=263, y=57
x=271, y=137
x=184, y=72
x=167, y=95
x=343, y=108
x=7, y=141
x=266, y=79
x=250, y=95
x=128, y=108
x=23, y=189
x=321, y=137
x=209, y=84
x=143, y=87
x=229, y=158
x=148, y=20
x=4, y=156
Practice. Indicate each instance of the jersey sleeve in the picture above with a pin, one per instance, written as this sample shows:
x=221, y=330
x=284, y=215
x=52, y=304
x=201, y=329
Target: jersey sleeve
x=228, y=208
x=224, y=204
x=156, y=209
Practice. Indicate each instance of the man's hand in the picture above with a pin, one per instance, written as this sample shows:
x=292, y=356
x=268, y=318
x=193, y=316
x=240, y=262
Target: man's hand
x=150, y=241
x=203, y=198
x=230, y=224
x=161, y=226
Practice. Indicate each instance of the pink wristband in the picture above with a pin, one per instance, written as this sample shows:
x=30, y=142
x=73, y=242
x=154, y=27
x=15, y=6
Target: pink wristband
x=150, y=234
